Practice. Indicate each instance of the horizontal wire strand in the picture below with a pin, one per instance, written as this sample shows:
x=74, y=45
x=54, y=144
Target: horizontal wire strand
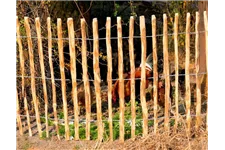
x=105, y=120
x=160, y=76
x=113, y=38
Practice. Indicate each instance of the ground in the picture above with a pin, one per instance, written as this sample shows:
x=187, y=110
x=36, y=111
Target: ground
x=177, y=141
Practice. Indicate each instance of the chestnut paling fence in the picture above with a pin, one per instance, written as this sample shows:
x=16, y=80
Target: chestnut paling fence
x=97, y=78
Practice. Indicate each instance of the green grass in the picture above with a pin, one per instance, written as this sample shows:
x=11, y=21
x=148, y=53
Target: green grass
x=76, y=147
x=172, y=122
x=61, y=130
x=44, y=135
x=26, y=146
x=50, y=122
x=61, y=115
x=116, y=125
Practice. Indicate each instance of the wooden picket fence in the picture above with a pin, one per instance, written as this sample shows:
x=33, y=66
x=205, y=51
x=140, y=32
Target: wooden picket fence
x=97, y=78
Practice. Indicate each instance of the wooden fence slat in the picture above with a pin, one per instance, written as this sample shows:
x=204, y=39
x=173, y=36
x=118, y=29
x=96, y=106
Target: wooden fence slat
x=63, y=81
x=132, y=76
x=85, y=78
x=41, y=60
x=52, y=76
x=176, y=69
x=198, y=83
x=121, y=80
x=32, y=71
x=143, y=76
x=187, y=77
x=155, y=72
x=109, y=74
x=206, y=53
x=166, y=72
x=21, y=65
x=18, y=114
x=27, y=114
x=73, y=75
x=20, y=53
x=97, y=78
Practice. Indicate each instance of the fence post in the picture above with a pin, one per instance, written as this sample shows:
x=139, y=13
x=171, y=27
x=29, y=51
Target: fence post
x=198, y=83
x=166, y=72
x=63, y=81
x=41, y=59
x=85, y=78
x=21, y=68
x=97, y=78
x=73, y=75
x=187, y=77
x=52, y=75
x=155, y=72
x=109, y=74
x=20, y=53
x=143, y=76
x=121, y=80
x=206, y=48
x=132, y=76
x=176, y=69
x=33, y=88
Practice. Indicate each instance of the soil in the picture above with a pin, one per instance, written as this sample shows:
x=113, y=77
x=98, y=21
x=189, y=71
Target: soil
x=178, y=141
x=35, y=143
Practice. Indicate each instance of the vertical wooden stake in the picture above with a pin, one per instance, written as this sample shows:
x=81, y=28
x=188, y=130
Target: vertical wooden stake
x=132, y=76
x=63, y=82
x=21, y=56
x=176, y=69
x=187, y=77
x=85, y=78
x=32, y=70
x=198, y=83
x=121, y=80
x=206, y=53
x=52, y=75
x=155, y=72
x=97, y=78
x=41, y=59
x=20, y=53
x=166, y=72
x=73, y=75
x=109, y=74
x=143, y=76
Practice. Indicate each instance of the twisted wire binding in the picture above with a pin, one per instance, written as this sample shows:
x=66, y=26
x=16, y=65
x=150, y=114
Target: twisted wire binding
x=113, y=38
x=160, y=76
x=127, y=120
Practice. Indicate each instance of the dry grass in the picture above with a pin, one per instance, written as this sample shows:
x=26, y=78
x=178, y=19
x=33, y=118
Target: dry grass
x=172, y=141
x=161, y=140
